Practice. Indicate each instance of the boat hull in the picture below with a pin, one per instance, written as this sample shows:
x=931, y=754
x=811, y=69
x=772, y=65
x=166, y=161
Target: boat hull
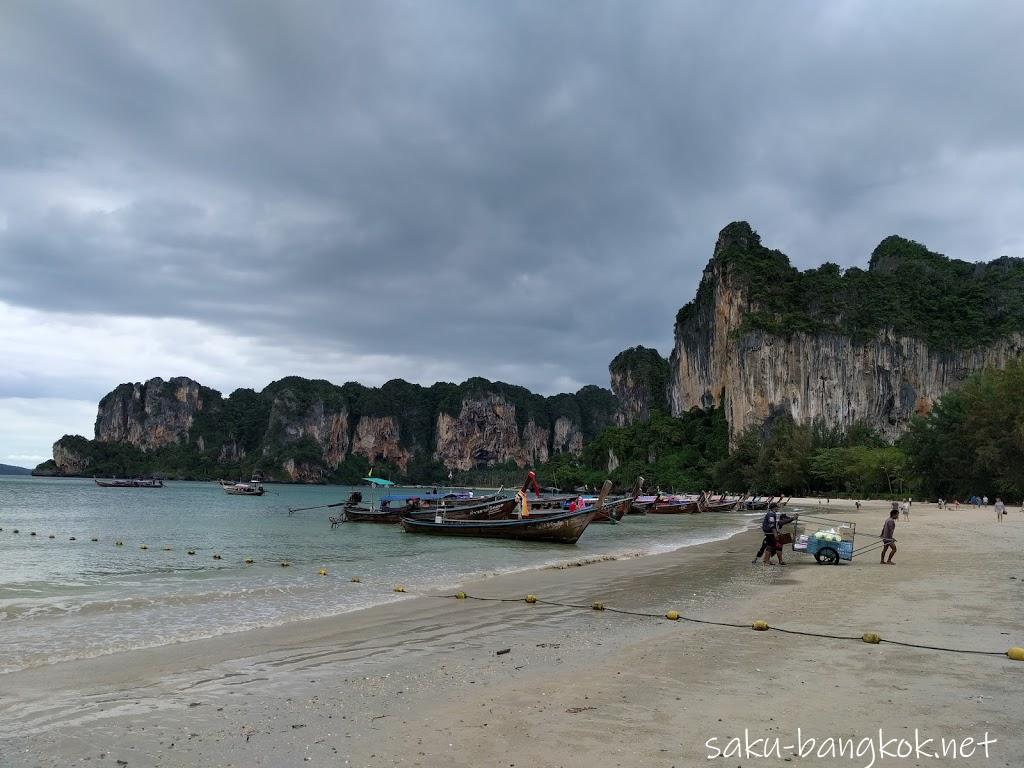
x=671, y=508
x=565, y=528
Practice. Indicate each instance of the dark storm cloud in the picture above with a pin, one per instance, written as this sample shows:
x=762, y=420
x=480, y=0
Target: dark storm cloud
x=512, y=189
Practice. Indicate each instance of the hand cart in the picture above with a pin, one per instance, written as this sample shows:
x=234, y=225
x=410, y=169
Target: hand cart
x=827, y=539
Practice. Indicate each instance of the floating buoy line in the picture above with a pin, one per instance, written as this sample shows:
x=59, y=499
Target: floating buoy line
x=1015, y=653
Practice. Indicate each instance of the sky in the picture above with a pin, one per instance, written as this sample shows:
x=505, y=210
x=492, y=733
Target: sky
x=239, y=191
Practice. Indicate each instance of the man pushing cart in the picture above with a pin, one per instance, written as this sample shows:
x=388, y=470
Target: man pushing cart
x=827, y=539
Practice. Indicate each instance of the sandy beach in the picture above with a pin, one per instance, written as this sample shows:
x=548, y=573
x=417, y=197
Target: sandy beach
x=422, y=683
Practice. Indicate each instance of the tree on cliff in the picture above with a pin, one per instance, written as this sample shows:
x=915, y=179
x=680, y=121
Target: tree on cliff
x=972, y=442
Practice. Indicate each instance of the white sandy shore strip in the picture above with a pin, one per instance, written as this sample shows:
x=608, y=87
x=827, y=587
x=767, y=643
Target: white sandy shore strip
x=419, y=683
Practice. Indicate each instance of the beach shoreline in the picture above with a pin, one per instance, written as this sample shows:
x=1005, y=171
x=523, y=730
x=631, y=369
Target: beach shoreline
x=324, y=690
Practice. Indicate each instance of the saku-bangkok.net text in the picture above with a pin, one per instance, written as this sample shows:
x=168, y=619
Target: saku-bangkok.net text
x=866, y=751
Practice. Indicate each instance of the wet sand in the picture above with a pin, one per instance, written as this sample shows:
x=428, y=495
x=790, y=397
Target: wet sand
x=420, y=682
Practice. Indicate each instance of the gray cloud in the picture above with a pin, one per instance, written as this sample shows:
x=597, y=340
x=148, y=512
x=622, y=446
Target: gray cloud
x=518, y=190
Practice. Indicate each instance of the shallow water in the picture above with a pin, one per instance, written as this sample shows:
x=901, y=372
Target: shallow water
x=62, y=599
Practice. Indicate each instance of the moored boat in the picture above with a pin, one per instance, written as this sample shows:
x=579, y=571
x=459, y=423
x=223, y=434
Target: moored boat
x=252, y=488
x=561, y=528
x=138, y=483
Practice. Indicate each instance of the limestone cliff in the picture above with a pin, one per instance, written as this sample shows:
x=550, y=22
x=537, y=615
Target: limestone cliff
x=484, y=433
x=300, y=430
x=70, y=459
x=873, y=347
x=149, y=415
x=378, y=439
x=639, y=378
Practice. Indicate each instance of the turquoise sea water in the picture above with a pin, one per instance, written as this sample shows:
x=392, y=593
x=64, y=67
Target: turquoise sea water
x=62, y=599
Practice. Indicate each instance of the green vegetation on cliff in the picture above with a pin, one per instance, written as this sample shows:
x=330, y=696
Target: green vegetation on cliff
x=972, y=442
x=669, y=452
x=300, y=428
x=640, y=380
x=916, y=292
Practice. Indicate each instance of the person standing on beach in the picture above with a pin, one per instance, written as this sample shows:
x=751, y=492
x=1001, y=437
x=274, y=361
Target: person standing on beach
x=1000, y=510
x=905, y=507
x=888, y=540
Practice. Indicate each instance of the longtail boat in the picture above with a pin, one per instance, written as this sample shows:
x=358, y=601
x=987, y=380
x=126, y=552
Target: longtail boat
x=612, y=511
x=722, y=504
x=676, y=506
x=252, y=488
x=385, y=514
x=562, y=528
x=140, y=483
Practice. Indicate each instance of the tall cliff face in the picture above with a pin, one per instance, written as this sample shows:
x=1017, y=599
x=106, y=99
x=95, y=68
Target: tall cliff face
x=485, y=433
x=150, y=415
x=310, y=431
x=861, y=347
x=639, y=378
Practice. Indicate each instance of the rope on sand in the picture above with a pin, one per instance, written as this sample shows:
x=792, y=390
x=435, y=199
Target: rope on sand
x=1017, y=654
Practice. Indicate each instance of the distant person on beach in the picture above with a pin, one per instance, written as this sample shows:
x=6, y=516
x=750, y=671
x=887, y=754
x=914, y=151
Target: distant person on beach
x=1000, y=510
x=905, y=509
x=888, y=539
x=857, y=504
x=984, y=501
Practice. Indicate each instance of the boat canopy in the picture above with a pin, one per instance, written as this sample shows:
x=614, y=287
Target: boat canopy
x=378, y=481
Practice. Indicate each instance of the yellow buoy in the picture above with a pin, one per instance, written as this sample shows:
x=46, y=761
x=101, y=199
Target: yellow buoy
x=167, y=549
x=672, y=615
x=399, y=588
x=598, y=606
x=322, y=572
x=249, y=561
x=871, y=637
x=759, y=625
x=285, y=563
x=356, y=580
x=531, y=598
x=143, y=546
x=1016, y=653
x=460, y=595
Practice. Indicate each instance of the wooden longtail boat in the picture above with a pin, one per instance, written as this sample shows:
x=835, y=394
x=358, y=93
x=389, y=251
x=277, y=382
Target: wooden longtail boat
x=676, y=506
x=386, y=513
x=562, y=528
x=253, y=488
x=612, y=511
x=722, y=504
x=140, y=483
x=488, y=510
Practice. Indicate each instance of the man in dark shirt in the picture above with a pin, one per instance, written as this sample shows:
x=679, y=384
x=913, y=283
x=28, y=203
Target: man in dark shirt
x=770, y=525
x=888, y=542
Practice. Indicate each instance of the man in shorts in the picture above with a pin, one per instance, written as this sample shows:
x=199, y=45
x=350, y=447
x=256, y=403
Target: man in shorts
x=888, y=537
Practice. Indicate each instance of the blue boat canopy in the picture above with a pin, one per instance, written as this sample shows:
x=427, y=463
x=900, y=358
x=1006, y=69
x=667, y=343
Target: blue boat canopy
x=377, y=481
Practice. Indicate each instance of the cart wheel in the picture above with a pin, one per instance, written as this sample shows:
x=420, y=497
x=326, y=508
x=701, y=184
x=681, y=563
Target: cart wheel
x=827, y=556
